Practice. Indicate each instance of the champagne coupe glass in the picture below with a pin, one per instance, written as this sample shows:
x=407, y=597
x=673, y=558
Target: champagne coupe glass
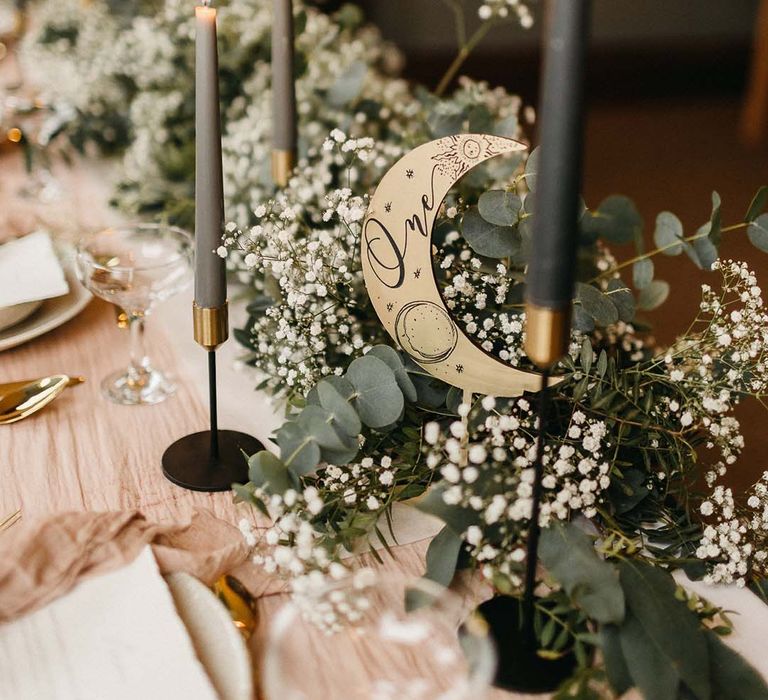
x=379, y=636
x=135, y=267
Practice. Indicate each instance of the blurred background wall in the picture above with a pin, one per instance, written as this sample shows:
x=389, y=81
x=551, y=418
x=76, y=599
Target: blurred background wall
x=646, y=47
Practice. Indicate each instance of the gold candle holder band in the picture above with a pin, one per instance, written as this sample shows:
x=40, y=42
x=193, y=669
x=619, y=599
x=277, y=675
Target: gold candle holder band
x=211, y=325
x=283, y=162
x=547, y=334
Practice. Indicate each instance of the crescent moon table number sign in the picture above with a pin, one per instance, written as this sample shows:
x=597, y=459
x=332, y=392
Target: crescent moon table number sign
x=397, y=265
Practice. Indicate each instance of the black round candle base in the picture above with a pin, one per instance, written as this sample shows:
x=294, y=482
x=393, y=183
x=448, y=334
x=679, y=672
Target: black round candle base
x=520, y=668
x=188, y=462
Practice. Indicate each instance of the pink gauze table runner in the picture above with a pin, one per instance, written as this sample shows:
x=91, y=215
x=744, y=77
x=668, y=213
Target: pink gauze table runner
x=43, y=560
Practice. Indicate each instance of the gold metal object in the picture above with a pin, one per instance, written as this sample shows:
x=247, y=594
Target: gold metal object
x=121, y=316
x=547, y=333
x=21, y=399
x=211, y=325
x=10, y=521
x=239, y=602
x=283, y=162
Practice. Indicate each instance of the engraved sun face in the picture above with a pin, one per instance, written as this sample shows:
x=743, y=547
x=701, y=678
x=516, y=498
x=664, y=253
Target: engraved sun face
x=426, y=332
x=471, y=149
x=462, y=152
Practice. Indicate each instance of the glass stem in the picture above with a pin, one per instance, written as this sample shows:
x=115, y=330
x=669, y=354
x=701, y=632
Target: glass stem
x=139, y=368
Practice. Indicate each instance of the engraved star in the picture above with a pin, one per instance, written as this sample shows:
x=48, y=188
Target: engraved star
x=417, y=273
x=459, y=369
x=388, y=207
x=390, y=306
x=409, y=174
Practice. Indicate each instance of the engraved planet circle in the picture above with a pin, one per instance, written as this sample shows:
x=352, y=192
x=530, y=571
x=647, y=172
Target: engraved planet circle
x=426, y=332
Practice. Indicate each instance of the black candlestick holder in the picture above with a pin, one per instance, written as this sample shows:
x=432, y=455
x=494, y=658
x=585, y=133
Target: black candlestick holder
x=510, y=619
x=211, y=460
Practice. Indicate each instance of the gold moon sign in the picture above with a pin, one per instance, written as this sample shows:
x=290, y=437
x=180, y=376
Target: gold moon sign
x=397, y=265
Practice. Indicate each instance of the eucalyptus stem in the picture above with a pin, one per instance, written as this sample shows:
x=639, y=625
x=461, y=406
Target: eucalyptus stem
x=656, y=251
x=461, y=57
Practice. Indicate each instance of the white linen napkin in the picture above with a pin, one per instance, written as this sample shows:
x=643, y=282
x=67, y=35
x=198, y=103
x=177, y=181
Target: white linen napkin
x=30, y=270
x=114, y=636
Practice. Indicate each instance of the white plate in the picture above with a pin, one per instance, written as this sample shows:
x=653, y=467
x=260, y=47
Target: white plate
x=214, y=636
x=51, y=314
x=11, y=315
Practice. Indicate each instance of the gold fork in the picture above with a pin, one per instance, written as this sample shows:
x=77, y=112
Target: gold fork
x=11, y=520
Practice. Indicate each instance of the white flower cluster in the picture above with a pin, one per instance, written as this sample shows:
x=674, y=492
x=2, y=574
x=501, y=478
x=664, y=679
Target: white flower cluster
x=490, y=472
x=303, y=251
x=291, y=547
x=504, y=9
x=723, y=358
x=366, y=485
x=295, y=547
x=736, y=540
x=478, y=296
x=332, y=608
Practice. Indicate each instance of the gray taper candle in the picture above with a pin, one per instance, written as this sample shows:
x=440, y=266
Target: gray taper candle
x=552, y=268
x=210, y=274
x=284, y=128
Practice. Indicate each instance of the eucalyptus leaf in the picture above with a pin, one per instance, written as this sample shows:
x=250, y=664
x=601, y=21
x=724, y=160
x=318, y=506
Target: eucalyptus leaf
x=569, y=555
x=651, y=670
x=581, y=320
x=642, y=273
x=758, y=203
x=378, y=399
x=596, y=304
x=506, y=127
x=488, y=239
x=705, y=248
x=668, y=232
x=616, y=220
x=443, y=122
x=628, y=490
x=757, y=232
x=615, y=663
x=298, y=449
x=267, y=471
x=623, y=299
x=714, y=234
x=587, y=355
x=458, y=518
x=431, y=392
x=671, y=627
x=348, y=85
x=602, y=364
x=531, y=170
x=653, y=296
x=318, y=422
x=480, y=120
x=343, y=413
x=454, y=399
x=732, y=677
x=499, y=207
x=393, y=360
x=443, y=556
